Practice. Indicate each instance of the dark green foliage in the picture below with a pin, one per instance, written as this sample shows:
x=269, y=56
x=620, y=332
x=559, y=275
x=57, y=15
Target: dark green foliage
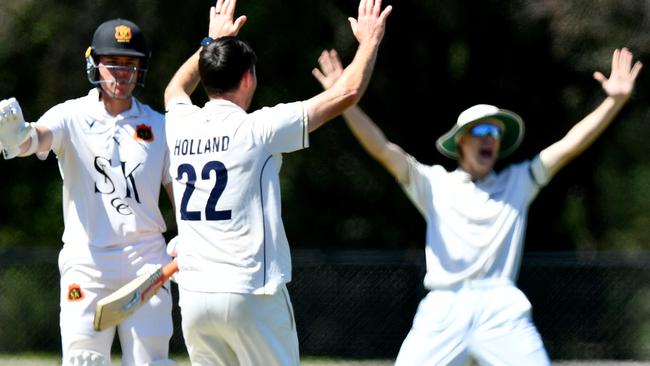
x=438, y=58
x=29, y=315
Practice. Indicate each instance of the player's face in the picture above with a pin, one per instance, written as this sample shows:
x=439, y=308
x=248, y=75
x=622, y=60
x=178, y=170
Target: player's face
x=479, y=147
x=118, y=75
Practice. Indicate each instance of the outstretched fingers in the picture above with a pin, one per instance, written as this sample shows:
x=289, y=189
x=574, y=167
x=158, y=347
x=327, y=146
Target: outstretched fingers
x=625, y=61
x=337, y=65
x=370, y=7
x=229, y=8
x=325, y=61
x=371, y=21
x=240, y=23
x=636, y=69
x=376, y=10
x=225, y=8
x=330, y=69
x=221, y=19
x=319, y=73
x=373, y=8
x=624, y=66
x=384, y=14
x=615, y=58
x=353, y=24
x=600, y=77
x=631, y=70
x=624, y=72
x=218, y=6
x=363, y=6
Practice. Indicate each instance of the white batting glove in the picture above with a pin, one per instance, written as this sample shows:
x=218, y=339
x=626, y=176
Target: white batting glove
x=13, y=128
x=172, y=246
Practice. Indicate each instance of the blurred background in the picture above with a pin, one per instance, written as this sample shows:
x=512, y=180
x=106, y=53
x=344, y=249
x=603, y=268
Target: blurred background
x=357, y=240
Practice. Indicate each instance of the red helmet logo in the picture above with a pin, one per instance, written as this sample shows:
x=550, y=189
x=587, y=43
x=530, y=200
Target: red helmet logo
x=122, y=34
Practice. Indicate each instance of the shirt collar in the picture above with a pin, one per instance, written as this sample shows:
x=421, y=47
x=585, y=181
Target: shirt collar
x=466, y=177
x=212, y=103
x=99, y=111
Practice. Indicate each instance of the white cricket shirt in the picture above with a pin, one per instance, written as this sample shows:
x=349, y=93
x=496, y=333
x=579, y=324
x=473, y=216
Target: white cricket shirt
x=225, y=164
x=112, y=170
x=475, y=230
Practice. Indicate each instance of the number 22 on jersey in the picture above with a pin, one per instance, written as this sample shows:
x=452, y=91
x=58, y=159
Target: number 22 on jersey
x=211, y=212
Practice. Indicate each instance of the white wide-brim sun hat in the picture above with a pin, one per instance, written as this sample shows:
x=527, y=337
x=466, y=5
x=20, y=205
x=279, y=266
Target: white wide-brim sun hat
x=513, y=130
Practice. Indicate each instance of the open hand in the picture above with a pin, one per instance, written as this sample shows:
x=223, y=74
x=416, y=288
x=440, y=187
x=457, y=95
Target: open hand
x=371, y=22
x=221, y=19
x=621, y=81
x=330, y=68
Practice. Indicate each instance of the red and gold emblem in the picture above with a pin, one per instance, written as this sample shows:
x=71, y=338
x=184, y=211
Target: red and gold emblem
x=143, y=132
x=122, y=34
x=75, y=293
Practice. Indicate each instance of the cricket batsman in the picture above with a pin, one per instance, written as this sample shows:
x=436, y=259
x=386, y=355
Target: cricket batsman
x=113, y=160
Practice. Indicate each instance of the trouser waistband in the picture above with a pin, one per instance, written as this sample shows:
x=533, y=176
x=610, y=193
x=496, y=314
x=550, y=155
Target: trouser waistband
x=477, y=283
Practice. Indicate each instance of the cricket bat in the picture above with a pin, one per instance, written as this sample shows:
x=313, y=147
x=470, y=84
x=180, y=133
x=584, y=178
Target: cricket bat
x=114, y=308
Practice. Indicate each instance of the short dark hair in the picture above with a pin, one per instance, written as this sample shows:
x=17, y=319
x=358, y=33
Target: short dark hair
x=223, y=63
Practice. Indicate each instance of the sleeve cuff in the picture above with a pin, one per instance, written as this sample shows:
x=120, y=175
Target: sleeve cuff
x=540, y=174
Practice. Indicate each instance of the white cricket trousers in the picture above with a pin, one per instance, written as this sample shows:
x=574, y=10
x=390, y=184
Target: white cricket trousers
x=89, y=274
x=485, y=320
x=232, y=329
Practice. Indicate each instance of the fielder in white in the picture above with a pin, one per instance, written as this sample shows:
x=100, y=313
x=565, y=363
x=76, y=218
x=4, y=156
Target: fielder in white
x=233, y=254
x=112, y=155
x=476, y=220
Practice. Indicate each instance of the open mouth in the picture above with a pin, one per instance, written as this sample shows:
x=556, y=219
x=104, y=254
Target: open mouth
x=485, y=153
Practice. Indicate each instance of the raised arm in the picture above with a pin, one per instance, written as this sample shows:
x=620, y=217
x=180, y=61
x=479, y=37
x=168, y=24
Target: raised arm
x=619, y=88
x=369, y=30
x=373, y=140
x=187, y=78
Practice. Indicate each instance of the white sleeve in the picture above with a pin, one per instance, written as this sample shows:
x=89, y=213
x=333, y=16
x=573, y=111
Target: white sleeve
x=178, y=108
x=540, y=174
x=418, y=189
x=55, y=120
x=178, y=100
x=282, y=128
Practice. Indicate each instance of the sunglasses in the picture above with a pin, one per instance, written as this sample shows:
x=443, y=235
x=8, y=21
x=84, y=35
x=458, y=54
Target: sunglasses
x=486, y=129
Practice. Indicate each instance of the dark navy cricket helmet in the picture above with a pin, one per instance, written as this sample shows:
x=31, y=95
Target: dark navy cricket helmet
x=117, y=37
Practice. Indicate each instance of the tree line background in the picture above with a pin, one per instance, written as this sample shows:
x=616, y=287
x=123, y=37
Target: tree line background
x=535, y=57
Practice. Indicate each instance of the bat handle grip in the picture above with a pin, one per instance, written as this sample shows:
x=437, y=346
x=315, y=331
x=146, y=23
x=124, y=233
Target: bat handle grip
x=170, y=268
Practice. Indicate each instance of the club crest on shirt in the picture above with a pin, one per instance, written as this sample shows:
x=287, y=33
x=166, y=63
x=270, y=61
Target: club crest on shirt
x=75, y=293
x=143, y=132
